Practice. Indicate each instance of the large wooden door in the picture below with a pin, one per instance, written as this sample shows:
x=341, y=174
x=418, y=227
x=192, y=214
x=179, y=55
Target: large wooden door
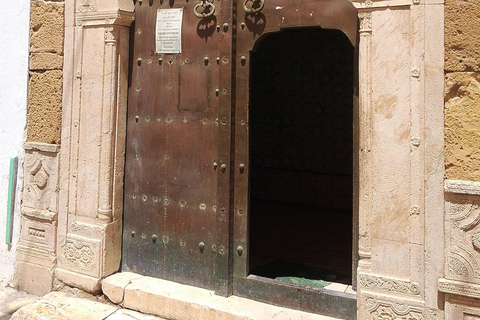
x=186, y=202
x=177, y=171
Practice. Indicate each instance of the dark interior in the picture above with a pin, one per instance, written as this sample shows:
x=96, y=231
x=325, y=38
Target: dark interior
x=301, y=155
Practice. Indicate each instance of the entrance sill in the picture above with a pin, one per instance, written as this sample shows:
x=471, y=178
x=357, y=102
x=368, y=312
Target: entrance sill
x=172, y=300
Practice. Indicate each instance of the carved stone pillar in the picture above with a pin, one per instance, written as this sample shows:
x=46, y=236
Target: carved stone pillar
x=400, y=175
x=36, y=253
x=93, y=135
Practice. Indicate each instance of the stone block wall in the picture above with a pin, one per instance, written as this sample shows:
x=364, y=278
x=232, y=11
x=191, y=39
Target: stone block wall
x=462, y=89
x=461, y=284
x=36, y=253
x=46, y=75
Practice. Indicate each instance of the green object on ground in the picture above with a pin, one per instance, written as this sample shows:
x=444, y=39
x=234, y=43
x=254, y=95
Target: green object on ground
x=304, y=281
x=297, y=273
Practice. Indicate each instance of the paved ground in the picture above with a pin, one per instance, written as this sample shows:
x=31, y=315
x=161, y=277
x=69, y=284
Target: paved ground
x=11, y=300
x=71, y=304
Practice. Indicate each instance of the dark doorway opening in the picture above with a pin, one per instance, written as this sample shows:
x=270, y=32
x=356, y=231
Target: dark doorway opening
x=301, y=117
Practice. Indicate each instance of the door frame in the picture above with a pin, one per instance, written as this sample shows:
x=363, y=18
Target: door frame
x=95, y=83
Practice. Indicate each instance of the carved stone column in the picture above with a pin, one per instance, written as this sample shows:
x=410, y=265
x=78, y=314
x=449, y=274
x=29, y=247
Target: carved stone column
x=365, y=119
x=93, y=135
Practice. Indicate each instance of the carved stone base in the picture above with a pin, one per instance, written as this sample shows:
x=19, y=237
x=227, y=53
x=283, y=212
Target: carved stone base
x=88, y=253
x=77, y=280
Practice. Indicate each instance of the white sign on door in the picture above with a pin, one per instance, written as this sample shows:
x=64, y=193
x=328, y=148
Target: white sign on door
x=169, y=31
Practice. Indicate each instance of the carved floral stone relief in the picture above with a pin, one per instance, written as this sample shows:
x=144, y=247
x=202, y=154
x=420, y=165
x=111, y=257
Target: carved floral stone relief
x=388, y=310
x=463, y=237
x=378, y=283
x=86, y=230
x=80, y=255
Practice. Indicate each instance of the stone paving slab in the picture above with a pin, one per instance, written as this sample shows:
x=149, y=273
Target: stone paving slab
x=61, y=306
x=125, y=314
x=64, y=306
x=11, y=300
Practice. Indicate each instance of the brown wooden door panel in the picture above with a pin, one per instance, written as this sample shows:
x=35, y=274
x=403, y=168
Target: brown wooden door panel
x=174, y=152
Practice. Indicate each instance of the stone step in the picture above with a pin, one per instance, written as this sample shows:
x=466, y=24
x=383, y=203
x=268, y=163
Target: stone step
x=135, y=297
x=172, y=300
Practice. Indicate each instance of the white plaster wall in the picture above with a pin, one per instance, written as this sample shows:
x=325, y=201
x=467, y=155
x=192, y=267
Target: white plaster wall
x=14, y=35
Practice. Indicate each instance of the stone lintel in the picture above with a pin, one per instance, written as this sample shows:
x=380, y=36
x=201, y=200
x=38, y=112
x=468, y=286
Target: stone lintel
x=39, y=146
x=121, y=18
x=459, y=288
x=462, y=187
x=39, y=214
x=376, y=5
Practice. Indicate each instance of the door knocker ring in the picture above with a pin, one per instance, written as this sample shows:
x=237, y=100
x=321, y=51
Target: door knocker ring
x=206, y=13
x=259, y=7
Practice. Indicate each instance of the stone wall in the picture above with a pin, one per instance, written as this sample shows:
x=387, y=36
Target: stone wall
x=46, y=76
x=461, y=283
x=36, y=253
x=462, y=89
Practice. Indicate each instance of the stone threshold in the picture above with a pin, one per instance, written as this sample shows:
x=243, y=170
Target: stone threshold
x=176, y=301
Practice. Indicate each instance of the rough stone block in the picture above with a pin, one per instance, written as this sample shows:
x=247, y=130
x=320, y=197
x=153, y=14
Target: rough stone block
x=46, y=61
x=34, y=279
x=462, y=22
x=462, y=125
x=44, y=106
x=114, y=286
x=46, y=27
x=60, y=306
x=77, y=280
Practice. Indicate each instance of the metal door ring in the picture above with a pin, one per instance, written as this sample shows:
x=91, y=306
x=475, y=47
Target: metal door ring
x=261, y=3
x=204, y=5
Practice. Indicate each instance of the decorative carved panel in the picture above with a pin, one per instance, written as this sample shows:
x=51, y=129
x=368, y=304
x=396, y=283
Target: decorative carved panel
x=377, y=283
x=462, y=217
x=40, y=195
x=81, y=255
x=383, y=310
x=37, y=242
